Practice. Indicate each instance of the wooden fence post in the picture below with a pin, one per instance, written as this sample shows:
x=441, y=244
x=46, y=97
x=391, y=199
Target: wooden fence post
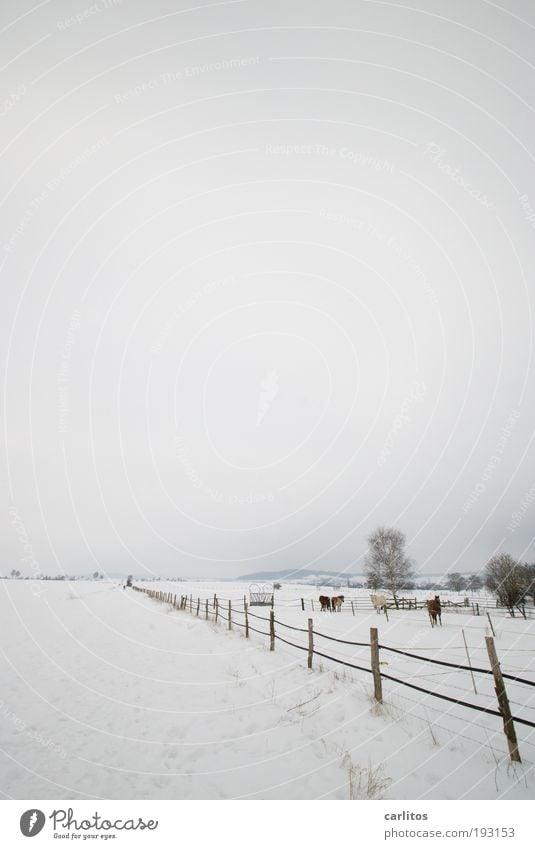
x=272, y=631
x=198, y=605
x=215, y=600
x=191, y=604
x=302, y=604
x=491, y=625
x=352, y=609
x=229, y=615
x=376, y=669
x=503, y=701
x=246, y=607
x=206, y=608
x=310, y=642
x=216, y=609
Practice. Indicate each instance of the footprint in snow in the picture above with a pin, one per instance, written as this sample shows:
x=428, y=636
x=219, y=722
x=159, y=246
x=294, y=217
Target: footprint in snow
x=175, y=732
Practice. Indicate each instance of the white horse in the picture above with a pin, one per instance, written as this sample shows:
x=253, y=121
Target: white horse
x=379, y=602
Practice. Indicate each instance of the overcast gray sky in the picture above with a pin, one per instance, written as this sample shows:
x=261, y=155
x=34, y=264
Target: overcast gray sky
x=267, y=282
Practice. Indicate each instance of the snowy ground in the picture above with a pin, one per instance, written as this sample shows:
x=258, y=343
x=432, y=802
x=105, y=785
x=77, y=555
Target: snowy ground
x=109, y=694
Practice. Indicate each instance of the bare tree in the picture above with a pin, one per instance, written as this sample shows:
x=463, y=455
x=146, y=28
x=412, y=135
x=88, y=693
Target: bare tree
x=455, y=582
x=530, y=568
x=387, y=559
x=374, y=575
x=475, y=582
x=509, y=579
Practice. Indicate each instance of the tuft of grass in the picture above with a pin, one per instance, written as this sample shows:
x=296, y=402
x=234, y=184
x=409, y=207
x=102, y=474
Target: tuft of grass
x=306, y=707
x=340, y=675
x=236, y=674
x=432, y=733
x=365, y=782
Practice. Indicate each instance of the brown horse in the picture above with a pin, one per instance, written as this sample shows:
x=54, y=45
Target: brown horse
x=434, y=609
x=336, y=603
x=325, y=602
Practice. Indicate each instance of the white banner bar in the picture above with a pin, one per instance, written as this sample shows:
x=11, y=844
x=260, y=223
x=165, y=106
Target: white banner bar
x=175, y=823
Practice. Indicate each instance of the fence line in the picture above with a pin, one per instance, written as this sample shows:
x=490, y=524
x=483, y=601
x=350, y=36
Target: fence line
x=364, y=602
x=186, y=601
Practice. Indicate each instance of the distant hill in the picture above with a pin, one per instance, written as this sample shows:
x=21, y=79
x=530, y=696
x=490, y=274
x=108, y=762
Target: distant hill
x=299, y=576
x=326, y=577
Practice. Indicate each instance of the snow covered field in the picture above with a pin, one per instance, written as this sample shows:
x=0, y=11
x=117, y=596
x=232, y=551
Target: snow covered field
x=109, y=694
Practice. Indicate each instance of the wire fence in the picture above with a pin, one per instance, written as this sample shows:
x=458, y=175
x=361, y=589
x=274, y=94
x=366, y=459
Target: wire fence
x=471, y=605
x=217, y=608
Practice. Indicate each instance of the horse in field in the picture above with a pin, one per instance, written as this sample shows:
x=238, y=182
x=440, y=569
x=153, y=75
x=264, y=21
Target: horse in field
x=325, y=602
x=379, y=602
x=336, y=603
x=434, y=609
